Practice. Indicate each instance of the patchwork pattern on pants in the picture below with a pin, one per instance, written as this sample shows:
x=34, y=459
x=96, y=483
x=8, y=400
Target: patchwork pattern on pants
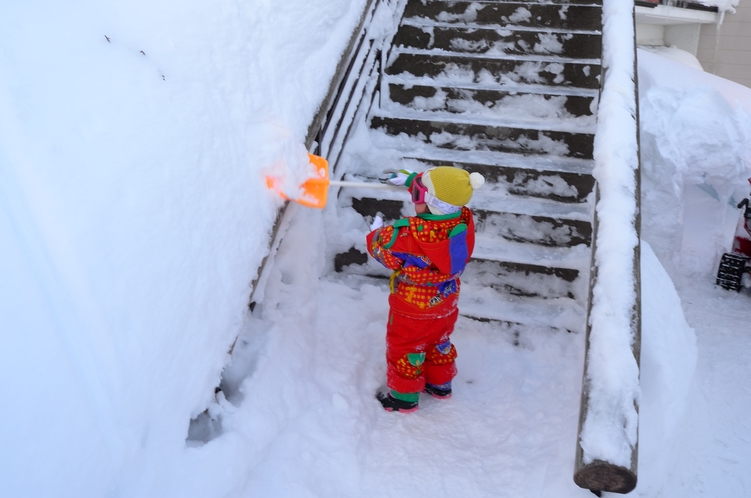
x=410, y=365
x=442, y=354
x=419, y=351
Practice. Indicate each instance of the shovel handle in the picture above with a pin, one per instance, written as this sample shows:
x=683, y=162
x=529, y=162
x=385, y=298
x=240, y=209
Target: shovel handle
x=338, y=183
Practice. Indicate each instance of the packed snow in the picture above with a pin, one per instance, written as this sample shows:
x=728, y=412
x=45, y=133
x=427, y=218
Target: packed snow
x=133, y=148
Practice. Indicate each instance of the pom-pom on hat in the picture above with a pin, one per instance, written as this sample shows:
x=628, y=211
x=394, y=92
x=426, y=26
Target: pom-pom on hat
x=450, y=188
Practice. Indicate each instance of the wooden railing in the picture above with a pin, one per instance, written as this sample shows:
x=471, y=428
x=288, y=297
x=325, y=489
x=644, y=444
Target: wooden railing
x=617, y=172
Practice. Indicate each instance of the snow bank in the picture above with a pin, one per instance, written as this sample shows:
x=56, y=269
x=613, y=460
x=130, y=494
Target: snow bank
x=668, y=361
x=674, y=53
x=133, y=215
x=695, y=135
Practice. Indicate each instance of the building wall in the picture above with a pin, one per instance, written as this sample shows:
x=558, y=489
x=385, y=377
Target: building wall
x=728, y=55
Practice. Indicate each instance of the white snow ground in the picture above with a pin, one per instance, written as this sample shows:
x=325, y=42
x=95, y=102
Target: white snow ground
x=133, y=218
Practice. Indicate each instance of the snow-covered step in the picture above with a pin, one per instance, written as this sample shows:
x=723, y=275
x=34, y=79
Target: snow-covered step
x=511, y=87
x=429, y=24
x=469, y=136
x=492, y=103
x=476, y=158
x=421, y=33
x=533, y=230
x=517, y=276
x=593, y=3
x=528, y=55
x=541, y=227
x=507, y=41
x=597, y=3
x=522, y=279
x=490, y=247
x=511, y=314
x=492, y=200
x=529, y=315
x=537, y=15
x=451, y=70
x=526, y=180
x=543, y=116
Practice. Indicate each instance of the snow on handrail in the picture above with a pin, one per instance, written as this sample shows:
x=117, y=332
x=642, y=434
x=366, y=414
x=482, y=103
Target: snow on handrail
x=607, y=448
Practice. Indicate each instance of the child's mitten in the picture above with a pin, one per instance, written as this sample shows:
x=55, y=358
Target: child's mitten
x=400, y=178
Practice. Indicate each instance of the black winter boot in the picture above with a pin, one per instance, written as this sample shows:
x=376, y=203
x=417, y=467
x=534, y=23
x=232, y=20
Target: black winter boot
x=392, y=404
x=442, y=391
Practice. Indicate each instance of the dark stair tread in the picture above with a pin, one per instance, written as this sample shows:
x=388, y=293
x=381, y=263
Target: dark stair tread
x=492, y=87
x=561, y=186
x=594, y=3
x=494, y=41
x=518, y=316
x=468, y=136
x=581, y=17
x=490, y=118
x=543, y=232
x=562, y=314
x=499, y=103
x=490, y=269
x=548, y=164
x=484, y=202
x=448, y=69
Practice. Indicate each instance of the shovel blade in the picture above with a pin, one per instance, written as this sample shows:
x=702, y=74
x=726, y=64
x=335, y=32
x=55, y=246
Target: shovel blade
x=314, y=191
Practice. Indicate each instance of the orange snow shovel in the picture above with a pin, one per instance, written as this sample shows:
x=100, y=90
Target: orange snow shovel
x=314, y=191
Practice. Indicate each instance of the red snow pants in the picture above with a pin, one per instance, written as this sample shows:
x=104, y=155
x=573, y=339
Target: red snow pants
x=419, y=351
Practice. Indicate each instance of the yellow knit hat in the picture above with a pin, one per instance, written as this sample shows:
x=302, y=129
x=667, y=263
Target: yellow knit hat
x=453, y=187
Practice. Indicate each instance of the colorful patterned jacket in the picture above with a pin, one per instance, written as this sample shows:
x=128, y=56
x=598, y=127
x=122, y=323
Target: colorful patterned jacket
x=428, y=254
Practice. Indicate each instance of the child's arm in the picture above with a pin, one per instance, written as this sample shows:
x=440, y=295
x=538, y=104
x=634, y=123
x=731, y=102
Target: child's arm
x=379, y=242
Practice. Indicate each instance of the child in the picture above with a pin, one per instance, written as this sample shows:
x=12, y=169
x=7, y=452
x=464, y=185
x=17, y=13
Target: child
x=428, y=253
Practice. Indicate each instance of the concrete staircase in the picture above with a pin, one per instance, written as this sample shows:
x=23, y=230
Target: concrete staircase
x=507, y=89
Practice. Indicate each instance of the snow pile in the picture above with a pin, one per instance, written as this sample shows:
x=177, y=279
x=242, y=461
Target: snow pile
x=695, y=131
x=674, y=53
x=133, y=215
x=668, y=361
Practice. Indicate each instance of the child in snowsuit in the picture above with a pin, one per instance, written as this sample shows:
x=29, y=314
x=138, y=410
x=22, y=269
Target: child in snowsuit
x=428, y=253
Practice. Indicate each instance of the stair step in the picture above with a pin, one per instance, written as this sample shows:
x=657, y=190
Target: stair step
x=521, y=279
x=542, y=164
x=558, y=186
x=505, y=41
x=493, y=103
x=513, y=316
x=538, y=15
x=537, y=230
x=594, y=3
x=520, y=228
x=509, y=278
x=531, y=313
x=535, y=119
x=450, y=70
x=395, y=205
x=469, y=136
x=562, y=179
x=488, y=247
